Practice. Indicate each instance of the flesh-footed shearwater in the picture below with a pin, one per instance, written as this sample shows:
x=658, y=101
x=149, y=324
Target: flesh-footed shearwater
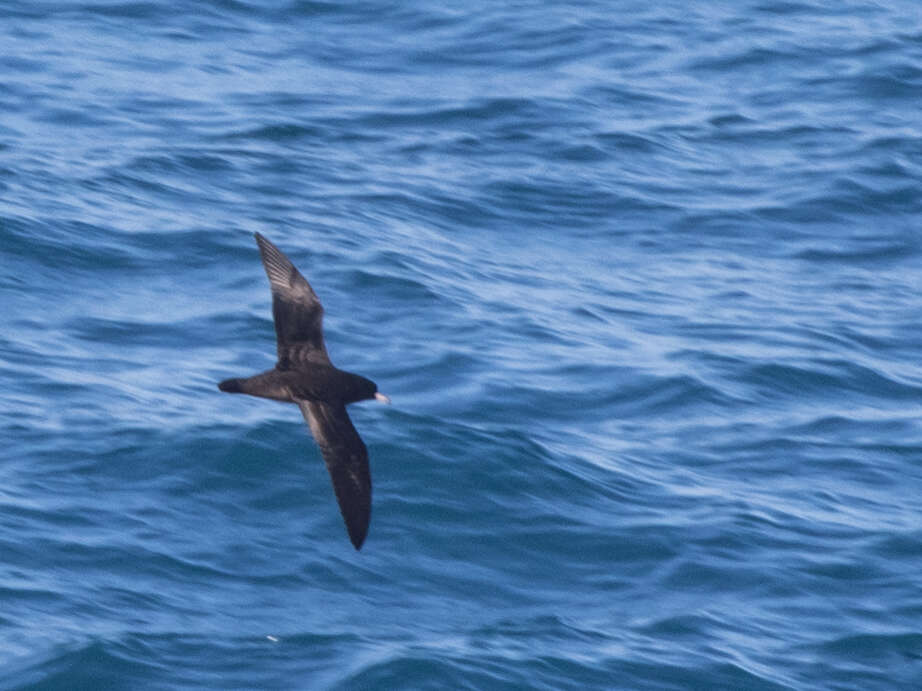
x=305, y=375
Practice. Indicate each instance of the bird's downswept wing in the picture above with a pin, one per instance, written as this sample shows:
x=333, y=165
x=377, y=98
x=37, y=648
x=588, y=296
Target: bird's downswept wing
x=296, y=310
x=347, y=462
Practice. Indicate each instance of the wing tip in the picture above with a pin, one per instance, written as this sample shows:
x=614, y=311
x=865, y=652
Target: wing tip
x=357, y=526
x=278, y=267
x=263, y=242
x=357, y=540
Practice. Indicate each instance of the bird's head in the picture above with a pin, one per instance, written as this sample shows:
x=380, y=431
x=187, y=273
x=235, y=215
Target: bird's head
x=360, y=388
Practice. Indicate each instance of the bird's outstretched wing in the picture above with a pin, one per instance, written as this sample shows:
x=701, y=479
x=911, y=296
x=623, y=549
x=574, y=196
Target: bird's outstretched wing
x=347, y=462
x=296, y=310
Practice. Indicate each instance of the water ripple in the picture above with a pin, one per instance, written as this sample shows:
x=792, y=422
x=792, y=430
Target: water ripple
x=642, y=284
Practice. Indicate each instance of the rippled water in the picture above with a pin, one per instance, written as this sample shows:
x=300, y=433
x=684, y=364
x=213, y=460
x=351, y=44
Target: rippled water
x=642, y=280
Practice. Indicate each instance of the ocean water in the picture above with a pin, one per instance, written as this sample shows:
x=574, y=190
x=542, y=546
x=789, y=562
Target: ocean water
x=642, y=280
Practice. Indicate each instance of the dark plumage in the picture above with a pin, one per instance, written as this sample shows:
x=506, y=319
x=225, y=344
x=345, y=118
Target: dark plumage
x=305, y=375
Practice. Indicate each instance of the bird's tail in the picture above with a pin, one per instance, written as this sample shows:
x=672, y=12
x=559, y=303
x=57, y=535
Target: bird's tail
x=231, y=386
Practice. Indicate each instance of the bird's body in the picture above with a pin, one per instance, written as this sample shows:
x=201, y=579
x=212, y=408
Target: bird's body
x=320, y=383
x=305, y=375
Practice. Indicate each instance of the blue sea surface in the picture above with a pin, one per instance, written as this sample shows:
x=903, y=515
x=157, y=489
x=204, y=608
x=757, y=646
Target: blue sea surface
x=643, y=280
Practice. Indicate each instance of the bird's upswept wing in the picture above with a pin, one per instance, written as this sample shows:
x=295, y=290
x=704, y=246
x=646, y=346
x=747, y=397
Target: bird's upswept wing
x=296, y=310
x=347, y=462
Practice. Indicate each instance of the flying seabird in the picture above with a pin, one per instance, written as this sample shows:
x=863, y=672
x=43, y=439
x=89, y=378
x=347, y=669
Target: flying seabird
x=305, y=375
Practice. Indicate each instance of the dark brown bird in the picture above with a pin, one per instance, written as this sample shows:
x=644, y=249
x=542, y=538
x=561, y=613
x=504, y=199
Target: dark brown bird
x=305, y=375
